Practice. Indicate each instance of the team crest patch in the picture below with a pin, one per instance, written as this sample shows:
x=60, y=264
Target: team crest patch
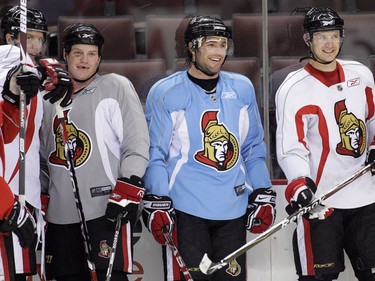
x=352, y=132
x=78, y=141
x=234, y=269
x=105, y=249
x=220, y=147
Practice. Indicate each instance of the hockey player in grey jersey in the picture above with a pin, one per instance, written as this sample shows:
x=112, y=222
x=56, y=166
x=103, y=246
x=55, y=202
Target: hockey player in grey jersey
x=106, y=130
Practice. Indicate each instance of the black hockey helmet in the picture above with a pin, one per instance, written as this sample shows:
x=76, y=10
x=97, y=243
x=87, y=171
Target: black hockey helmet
x=201, y=26
x=323, y=19
x=79, y=33
x=35, y=20
x=11, y=21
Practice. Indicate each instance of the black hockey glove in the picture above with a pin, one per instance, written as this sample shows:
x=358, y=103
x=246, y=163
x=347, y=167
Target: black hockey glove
x=56, y=81
x=299, y=193
x=158, y=216
x=20, y=78
x=261, y=210
x=22, y=223
x=125, y=198
x=371, y=158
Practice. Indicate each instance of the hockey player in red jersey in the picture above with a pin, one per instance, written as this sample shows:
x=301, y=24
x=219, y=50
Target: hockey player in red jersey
x=325, y=132
x=13, y=76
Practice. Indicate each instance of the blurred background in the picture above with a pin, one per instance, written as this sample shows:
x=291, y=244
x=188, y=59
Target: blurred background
x=144, y=39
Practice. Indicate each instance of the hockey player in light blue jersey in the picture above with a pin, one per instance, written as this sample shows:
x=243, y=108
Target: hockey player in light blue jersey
x=207, y=180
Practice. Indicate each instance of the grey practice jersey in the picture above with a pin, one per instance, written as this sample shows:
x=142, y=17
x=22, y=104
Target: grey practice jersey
x=107, y=129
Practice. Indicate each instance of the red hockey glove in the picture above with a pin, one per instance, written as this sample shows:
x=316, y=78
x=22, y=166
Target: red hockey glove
x=158, y=216
x=125, y=198
x=299, y=193
x=56, y=81
x=44, y=199
x=21, y=77
x=261, y=210
x=371, y=158
x=22, y=223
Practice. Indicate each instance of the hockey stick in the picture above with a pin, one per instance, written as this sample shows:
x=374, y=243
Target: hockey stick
x=114, y=246
x=69, y=153
x=208, y=267
x=22, y=105
x=178, y=257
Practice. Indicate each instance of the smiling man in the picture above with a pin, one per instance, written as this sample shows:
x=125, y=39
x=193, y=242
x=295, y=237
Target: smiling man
x=207, y=168
x=325, y=132
x=106, y=132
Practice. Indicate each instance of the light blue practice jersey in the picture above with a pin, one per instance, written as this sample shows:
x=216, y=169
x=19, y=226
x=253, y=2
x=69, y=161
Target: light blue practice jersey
x=207, y=150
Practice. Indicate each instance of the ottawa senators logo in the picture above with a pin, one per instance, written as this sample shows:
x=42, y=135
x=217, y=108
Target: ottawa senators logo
x=78, y=141
x=105, y=249
x=220, y=147
x=352, y=132
x=234, y=268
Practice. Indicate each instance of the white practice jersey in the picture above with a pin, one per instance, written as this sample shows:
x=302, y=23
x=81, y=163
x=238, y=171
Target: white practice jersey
x=324, y=132
x=107, y=129
x=10, y=57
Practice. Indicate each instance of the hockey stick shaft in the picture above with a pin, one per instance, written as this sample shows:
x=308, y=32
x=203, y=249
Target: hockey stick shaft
x=177, y=255
x=114, y=246
x=208, y=267
x=22, y=106
x=69, y=154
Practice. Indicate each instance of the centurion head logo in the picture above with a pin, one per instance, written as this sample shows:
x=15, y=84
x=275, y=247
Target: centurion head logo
x=352, y=132
x=77, y=140
x=220, y=147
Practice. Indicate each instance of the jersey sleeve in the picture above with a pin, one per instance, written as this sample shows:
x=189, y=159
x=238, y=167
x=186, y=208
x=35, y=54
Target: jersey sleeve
x=135, y=138
x=254, y=150
x=160, y=129
x=292, y=150
x=11, y=121
x=6, y=199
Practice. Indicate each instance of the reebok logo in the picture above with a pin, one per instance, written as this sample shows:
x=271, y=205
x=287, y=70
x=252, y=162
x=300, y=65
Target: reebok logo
x=353, y=82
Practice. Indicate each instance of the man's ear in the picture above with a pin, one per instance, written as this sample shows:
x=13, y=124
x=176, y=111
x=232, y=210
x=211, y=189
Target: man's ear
x=8, y=38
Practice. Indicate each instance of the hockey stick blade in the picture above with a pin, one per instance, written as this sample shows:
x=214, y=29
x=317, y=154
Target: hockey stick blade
x=208, y=267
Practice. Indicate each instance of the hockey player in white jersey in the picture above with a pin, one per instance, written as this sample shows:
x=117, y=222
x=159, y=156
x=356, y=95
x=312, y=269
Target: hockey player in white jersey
x=325, y=132
x=207, y=181
x=20, y=261
x=105, y=127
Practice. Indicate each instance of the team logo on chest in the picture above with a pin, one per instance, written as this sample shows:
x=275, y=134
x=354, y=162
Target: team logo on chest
x=77, y=140
x=220, y=147
x=352, y=132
